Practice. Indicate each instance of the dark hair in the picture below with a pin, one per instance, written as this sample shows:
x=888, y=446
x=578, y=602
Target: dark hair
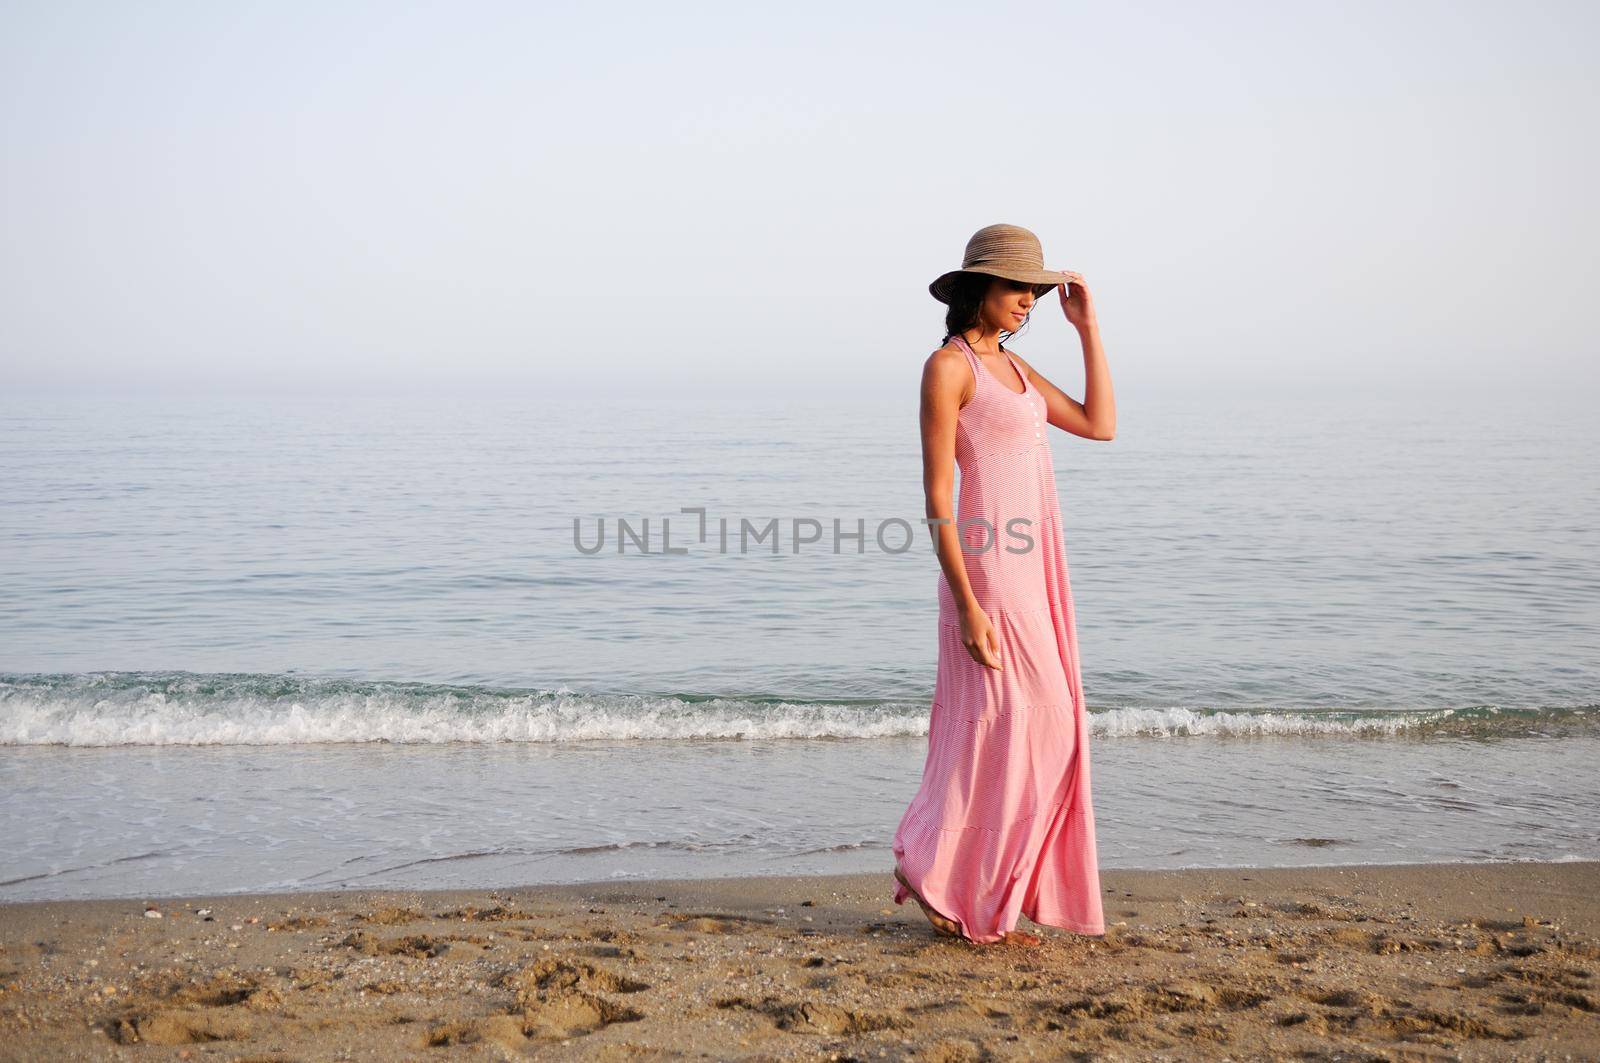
x=967, y=292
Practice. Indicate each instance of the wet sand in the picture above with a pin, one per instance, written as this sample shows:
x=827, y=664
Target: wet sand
x=1412, y=962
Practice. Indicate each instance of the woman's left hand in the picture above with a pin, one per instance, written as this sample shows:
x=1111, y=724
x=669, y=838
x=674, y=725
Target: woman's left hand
x=1076, y=302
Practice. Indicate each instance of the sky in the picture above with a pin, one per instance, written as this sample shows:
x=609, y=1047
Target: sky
x=747, y=201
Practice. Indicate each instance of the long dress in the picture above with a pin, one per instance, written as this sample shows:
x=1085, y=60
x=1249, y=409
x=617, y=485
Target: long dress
x=1003, y=822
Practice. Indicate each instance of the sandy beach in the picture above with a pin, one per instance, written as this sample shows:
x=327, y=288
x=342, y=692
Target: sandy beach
x=1485, y=961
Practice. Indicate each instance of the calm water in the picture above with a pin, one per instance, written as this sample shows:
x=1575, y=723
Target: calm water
x=296, y=644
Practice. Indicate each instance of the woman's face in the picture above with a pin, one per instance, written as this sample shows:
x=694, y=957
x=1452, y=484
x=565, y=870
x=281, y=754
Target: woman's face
x=1007, y=304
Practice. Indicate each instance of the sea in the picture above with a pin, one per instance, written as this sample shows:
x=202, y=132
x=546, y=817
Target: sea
x=278, y=643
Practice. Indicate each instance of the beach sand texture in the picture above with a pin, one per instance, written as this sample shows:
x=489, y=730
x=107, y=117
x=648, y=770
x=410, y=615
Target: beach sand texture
x=1409, y=962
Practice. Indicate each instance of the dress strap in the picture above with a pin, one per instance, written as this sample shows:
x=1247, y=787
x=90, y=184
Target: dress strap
x=972, y=360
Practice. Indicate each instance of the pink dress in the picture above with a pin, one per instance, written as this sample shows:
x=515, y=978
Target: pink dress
x=1003, y=823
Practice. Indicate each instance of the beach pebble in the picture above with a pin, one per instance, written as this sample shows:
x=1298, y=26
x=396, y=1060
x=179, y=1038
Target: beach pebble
x=151, y=913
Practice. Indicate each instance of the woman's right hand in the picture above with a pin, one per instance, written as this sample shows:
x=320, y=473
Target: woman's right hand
x=980, y=638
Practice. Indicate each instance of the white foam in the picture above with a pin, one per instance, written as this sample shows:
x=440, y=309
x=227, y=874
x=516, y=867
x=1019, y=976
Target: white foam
x=157, y=717
x=1182, y=722
x=118, y=709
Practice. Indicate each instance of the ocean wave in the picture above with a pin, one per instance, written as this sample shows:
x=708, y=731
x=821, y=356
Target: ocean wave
x=187, y=709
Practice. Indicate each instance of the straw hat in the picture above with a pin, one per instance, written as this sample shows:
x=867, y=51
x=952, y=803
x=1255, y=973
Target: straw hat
x=1008, y=251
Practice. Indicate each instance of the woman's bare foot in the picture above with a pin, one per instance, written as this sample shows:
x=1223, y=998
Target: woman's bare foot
x=941, y=923
x=1021, y=937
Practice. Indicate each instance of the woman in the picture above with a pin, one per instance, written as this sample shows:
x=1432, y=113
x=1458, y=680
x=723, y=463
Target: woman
x=1002, y=824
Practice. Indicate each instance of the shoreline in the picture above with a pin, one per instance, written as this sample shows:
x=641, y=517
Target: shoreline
x=1469, y=960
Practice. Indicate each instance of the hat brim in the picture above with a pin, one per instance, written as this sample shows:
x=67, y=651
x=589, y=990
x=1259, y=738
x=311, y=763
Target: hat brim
x=1044, y=281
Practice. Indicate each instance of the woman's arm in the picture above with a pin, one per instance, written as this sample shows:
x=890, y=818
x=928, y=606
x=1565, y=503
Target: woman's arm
x=944, y=379
x=1096, y=416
